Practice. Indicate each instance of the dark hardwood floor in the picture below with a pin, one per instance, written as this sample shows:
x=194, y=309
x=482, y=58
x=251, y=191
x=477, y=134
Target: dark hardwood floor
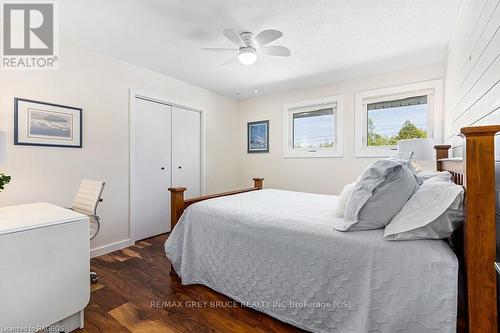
x=137, y=293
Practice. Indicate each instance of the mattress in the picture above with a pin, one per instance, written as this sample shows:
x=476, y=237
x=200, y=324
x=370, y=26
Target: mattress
x=276, y=251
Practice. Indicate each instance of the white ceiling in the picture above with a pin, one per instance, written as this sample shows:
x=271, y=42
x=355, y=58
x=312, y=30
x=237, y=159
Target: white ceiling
x=330, y=40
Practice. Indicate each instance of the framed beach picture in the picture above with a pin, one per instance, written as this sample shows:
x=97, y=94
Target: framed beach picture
x=258, y=137
x=46, y=124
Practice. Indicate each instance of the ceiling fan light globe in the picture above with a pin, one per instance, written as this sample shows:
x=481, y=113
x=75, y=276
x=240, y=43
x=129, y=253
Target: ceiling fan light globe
x=247, y=58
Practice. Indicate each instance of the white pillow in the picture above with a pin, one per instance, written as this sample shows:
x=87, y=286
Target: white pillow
x=379, y=194
x=424, y=175
x=342, y=201
x=433, y=212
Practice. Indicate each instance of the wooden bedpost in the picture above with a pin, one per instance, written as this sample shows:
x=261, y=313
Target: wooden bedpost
x=480, y=228
x=176, y=205
x=258, y=183
x=441, y=152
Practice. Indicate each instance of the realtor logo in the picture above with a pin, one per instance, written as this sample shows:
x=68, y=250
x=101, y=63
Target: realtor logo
x=29, y=36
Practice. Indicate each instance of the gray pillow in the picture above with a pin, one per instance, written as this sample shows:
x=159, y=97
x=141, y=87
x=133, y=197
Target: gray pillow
x=407, y=157
x=379, y=194
x=407, y=160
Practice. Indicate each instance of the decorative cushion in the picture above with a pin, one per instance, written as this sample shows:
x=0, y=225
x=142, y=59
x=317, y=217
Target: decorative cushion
x=342, y=201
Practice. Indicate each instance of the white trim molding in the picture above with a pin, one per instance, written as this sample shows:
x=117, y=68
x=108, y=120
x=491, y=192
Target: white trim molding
x=433, y=89
x=105, y=249
x=335, y=102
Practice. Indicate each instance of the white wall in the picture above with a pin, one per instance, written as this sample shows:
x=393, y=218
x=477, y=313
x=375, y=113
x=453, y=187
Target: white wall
x=320, y=175
x=100, y=85
x=472, y=80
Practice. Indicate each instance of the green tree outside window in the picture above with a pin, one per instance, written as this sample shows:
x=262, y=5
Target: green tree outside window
x=407, y=131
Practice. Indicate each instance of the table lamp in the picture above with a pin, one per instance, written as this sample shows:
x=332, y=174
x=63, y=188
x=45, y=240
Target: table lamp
x=423, y=151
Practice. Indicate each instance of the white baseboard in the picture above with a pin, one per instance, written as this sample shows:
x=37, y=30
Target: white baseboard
x=99, y=251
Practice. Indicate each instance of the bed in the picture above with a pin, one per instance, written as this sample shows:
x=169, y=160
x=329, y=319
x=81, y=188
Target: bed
x=275, y=251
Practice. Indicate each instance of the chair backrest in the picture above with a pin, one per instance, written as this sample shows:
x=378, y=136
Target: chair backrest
x=88, y=196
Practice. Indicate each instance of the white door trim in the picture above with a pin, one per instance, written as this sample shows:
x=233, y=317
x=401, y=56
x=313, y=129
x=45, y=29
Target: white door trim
x=134, y=93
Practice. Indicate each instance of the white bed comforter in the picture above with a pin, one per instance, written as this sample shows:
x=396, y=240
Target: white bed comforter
x=275, y=251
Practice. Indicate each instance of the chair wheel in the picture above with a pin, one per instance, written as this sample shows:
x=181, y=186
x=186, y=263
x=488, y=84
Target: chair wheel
x=93, y=277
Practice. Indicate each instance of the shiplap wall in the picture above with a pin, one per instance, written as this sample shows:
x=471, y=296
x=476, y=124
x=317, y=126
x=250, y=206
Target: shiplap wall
x=472, y=79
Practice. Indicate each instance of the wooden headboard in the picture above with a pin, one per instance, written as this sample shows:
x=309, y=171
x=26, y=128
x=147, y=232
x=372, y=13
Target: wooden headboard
x=475, y=243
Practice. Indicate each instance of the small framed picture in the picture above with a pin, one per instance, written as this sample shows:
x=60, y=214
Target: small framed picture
x=258, y=137
x=46, y=124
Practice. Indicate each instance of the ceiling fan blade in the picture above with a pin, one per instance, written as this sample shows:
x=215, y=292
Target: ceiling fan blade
x=219, y=49
x=230, y=61
x=266, y=37
x=275, y=50
x=234, y=37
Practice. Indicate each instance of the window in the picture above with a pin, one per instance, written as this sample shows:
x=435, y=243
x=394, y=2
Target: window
x=311, y=128
x=394, y=120
x=385, y=116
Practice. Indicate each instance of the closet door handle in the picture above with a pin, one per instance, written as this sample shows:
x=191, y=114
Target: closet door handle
x=179, y=167
x=163, y=168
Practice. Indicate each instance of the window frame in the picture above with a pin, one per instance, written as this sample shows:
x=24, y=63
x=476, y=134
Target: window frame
x=432, y=89
x=311, y=105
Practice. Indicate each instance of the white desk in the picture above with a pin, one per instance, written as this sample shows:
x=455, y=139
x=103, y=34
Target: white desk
x=44, y=267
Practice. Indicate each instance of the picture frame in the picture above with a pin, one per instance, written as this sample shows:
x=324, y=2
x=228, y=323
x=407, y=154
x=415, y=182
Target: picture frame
x=258, y=137
x=46, y=124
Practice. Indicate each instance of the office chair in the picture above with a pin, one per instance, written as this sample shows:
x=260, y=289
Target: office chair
x=86, y=200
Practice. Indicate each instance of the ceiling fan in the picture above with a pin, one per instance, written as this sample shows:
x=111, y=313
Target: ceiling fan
x=250, y=46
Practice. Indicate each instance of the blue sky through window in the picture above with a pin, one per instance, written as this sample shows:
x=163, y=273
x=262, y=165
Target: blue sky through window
x=388, y=121
x=313, y=131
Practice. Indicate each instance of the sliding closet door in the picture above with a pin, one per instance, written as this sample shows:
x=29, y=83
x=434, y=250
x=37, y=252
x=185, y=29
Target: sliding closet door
x=151, y=125
x=186, y=150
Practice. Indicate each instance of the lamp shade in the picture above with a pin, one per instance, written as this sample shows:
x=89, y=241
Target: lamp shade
x=3, y=146
x=422, y=148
